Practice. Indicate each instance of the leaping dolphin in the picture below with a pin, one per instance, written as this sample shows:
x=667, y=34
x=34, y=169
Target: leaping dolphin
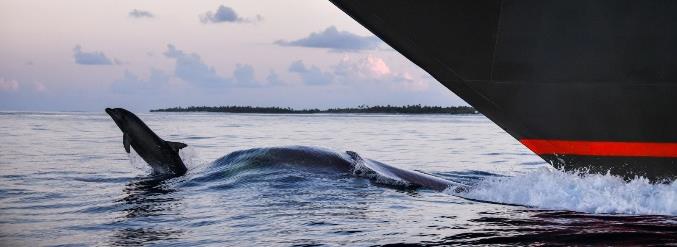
x=162, y=156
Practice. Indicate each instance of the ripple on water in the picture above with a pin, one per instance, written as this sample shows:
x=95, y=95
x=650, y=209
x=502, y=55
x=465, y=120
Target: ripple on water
x=65, y=180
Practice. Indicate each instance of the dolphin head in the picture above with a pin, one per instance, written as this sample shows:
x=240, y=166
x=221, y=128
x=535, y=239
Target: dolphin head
x=118, y=115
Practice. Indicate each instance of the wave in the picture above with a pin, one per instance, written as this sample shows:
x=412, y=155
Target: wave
x=552, y=189
x=544, y=188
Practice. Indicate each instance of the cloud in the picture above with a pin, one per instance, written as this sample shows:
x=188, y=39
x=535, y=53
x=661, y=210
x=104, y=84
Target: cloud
x=191, y=68
x=310, y=75
x=131, y=83
x=90, y=58
x=39, y=87
x=137, y=13
x=334, y=39
x=405, y=81
x=244, y=75
x=273, y=79
x=225, y=14
x=369, y=71
x=7, y=85
x=374, y=70
x=369, y=67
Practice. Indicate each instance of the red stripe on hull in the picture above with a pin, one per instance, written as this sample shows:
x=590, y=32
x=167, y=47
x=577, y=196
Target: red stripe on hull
x=602, y=148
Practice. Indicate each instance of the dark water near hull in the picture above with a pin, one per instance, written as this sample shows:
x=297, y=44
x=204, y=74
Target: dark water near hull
x=65, y=179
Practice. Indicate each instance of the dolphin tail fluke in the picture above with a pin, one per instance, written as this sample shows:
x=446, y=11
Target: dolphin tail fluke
x=176, y=146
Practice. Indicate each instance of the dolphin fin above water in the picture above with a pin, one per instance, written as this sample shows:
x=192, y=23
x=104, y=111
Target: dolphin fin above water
x=375, y=169
x=126, y=141
x=176, y=146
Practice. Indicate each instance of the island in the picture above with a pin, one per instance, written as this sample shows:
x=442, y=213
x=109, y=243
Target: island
x=387, y=109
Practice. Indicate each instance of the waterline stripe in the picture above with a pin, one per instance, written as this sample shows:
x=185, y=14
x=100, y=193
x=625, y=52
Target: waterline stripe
x=602, y=148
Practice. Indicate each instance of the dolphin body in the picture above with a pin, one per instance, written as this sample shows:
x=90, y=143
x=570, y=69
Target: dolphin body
x=162, y=156
x=349, y=162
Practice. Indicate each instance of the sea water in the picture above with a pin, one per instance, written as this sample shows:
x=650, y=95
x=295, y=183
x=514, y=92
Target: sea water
x=65, y=179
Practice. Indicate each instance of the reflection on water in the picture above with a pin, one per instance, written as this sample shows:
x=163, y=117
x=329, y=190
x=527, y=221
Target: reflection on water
x=146, y=200
x=143, y=236
x=565, y=228
x=66, y=180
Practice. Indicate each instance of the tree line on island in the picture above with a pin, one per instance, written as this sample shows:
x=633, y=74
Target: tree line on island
x=387, y=109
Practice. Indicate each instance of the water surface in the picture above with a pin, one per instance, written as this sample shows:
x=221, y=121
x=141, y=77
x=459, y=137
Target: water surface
x=65, y=179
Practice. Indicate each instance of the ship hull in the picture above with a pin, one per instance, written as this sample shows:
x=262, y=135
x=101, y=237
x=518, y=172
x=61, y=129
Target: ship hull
x=586, y=85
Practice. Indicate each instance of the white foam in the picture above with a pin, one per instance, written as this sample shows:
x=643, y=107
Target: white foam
x=552, y=189
x=137, y=162
x=190, y=157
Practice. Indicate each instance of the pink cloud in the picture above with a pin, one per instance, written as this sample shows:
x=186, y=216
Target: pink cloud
x=409, y=83
x=39, y=87
x=374, y=70
x=377, y=66
x=365, y=67
x=8, y=85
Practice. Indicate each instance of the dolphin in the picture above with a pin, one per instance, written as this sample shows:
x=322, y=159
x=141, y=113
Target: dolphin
x=162, y=156
x=346, y=162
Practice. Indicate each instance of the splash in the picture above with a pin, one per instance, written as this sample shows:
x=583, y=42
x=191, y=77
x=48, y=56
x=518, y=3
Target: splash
x=590, y=193
x=189, y=156
x=137, y=162
x=371, y=170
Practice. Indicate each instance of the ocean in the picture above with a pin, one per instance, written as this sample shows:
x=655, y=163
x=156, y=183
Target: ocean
x=65, y=180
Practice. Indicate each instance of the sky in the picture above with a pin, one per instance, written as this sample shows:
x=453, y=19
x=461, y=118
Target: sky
x=83, y=55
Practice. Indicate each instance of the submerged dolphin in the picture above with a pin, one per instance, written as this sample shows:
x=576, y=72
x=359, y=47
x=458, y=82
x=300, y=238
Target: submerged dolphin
x=349, y=162
x=162, y=156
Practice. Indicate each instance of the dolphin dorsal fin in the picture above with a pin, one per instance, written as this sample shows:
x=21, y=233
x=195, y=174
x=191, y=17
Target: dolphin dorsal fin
x=176, y=145
x=126, y=140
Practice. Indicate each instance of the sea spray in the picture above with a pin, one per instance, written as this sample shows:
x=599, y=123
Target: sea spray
x=137, y=162
x=590, y=193
x=190, y=157
x=364, y=168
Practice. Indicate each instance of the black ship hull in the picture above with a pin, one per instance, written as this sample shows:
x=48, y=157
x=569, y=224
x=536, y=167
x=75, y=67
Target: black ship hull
x=584, y=84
